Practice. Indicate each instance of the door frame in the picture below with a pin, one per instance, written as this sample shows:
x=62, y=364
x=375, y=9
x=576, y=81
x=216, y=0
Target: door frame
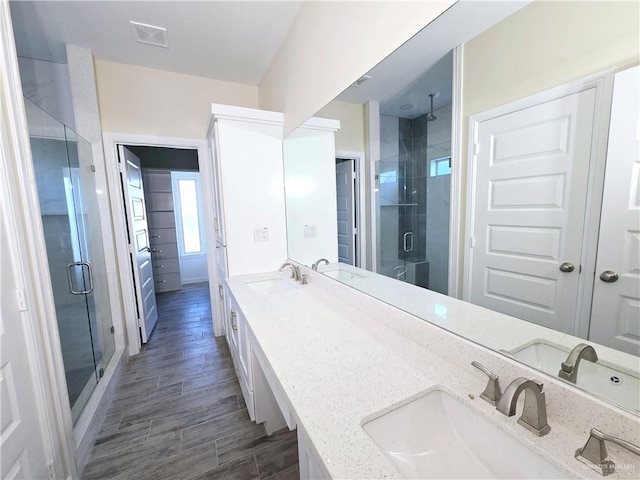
x=111, y=140
x=21, y=207
x=360, y=199
x=602, y=82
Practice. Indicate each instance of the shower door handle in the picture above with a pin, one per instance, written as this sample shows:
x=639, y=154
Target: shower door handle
x=70, y=267
x=405, y=238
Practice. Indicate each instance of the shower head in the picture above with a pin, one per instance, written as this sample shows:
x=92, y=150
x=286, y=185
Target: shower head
x=431, y=117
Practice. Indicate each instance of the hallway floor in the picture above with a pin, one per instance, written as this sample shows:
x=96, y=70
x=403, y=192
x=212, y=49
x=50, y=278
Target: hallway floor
x=178, y=412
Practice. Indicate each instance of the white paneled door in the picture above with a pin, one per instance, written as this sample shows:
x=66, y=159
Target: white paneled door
x=531, y=172
x=346, y=210
x=139, y=244
x=615, y=315
x=21, y=440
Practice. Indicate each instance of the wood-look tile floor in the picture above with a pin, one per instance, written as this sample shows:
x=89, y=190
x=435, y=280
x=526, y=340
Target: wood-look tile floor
x=178, y=412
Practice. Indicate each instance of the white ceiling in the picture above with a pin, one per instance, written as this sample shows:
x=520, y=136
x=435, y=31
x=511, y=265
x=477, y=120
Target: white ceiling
x=237, y=40
x=423, y=64
x=226, y=40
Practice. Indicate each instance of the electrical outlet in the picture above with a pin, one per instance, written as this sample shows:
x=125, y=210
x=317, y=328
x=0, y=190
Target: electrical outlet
x=261, y=234
x=310, y=231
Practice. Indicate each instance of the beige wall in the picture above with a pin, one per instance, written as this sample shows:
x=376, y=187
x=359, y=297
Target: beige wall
x=547, y=44
x=147, y=101
x=331, y=44
x=544, y=45
x=350, y=137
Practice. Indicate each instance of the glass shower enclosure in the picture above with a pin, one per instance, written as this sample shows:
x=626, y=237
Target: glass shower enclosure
x=73, y=235
x=413, y=181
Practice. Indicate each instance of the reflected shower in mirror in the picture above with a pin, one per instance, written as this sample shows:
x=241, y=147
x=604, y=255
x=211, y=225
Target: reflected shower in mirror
x=495, y=226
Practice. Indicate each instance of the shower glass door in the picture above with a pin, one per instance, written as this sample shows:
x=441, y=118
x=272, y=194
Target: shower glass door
x=73, y=237
x=396, y=238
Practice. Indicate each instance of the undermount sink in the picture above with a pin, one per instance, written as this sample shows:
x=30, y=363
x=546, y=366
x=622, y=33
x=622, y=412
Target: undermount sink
x=342, y=275
x=438, y=436
x=272, y=285
x=602, y=380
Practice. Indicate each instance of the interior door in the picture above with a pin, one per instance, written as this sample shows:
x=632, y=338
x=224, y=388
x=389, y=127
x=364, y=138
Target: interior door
x=346, y=212
x=139, y=244
x=615, y=315
x=22, y=447
x=531, y=175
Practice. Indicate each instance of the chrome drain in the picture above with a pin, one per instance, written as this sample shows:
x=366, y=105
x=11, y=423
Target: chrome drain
x=616, y=380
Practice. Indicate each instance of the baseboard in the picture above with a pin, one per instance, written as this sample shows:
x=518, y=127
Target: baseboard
x=91, y=419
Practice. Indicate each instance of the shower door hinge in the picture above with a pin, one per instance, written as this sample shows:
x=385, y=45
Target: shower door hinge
x=101, y=372
x=353, y=175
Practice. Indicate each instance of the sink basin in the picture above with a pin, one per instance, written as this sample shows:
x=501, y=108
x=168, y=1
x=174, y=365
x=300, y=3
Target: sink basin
x=271, y=285
x=600, y=379
x=342, y=275
x=438, y=436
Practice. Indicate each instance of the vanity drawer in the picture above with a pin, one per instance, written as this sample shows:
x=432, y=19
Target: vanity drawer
x=160, y=201
x=166, y=265
x=167, y=282
x=160, y=236
x=161, y=220
x=170, y=250
x=155, y=181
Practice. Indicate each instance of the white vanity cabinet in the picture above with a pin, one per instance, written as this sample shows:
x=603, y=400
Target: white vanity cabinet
x=266, y=402
x=241, y=352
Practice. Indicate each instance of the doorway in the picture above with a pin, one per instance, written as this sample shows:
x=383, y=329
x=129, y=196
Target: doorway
x=165, y=224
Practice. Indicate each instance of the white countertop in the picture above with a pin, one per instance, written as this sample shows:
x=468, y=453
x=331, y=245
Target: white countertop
x=339, y=365
x=486, y=327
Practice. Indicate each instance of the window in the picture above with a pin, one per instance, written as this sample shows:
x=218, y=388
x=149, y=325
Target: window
x=189, y=222
x=440, y=166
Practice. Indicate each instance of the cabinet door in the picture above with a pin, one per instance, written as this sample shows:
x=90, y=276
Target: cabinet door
x=218, y=219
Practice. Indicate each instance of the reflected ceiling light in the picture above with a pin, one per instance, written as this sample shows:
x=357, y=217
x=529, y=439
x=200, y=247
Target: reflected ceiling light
x=406, y=106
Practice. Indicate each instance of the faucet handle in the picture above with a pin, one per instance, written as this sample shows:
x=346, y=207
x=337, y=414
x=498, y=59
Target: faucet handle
x=492, y=392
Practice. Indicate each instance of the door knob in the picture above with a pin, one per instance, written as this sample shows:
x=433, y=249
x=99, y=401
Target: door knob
x=609, y=276
x=567, y=267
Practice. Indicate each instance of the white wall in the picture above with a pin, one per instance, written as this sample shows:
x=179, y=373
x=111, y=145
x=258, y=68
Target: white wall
x=330, y=45
x=310, y=188
x=350, y=137
x=148, y=101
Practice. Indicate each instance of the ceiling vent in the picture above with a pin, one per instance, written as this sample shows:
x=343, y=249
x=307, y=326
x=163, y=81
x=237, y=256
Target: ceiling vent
x=360, y=81
x=150, y=35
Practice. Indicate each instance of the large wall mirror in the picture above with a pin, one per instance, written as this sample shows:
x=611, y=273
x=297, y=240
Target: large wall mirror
x=519, y=221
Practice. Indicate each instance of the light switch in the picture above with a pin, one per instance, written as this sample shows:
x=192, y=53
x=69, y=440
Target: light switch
x=310, y=231
x=261, y=234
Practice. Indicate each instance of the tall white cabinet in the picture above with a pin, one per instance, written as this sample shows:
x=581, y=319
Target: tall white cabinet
x=245, y=146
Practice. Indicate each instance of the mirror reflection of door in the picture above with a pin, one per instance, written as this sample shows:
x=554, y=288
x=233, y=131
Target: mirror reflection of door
x=346, y=195
x=615, y=314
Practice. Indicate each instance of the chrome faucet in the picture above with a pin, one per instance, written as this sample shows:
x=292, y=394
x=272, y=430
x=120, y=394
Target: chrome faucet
x=295, y=270
x=569, y=368
x=595, y=455
x=534, y=414
x=317, y=264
